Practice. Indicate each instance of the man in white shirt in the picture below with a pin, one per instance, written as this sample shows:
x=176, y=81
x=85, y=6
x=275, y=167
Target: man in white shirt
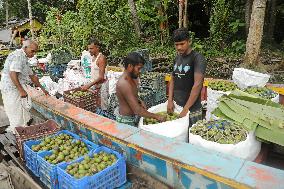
x=15, y=77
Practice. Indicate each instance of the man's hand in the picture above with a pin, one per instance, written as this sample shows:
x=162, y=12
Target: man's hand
x=170, y=107
x=23, y=93
x=45, y=92
x=85, y=87
x=183, y=113
x=160, y=118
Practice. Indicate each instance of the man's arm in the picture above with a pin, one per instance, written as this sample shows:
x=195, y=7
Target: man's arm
x=170, y=107
x=14, y=77
x=102, y=65
x=132, y=101
x=35, y=80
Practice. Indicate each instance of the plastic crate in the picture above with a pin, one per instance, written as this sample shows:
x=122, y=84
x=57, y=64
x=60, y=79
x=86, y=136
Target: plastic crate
x=34, y=132
x=31, y=156
x=89, y=102
x=111, y=177
x=48, y=172
x=57, y=70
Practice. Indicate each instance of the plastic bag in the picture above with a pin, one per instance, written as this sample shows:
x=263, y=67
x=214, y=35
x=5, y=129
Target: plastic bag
x=113, y=78
x=176, y=129
x=248, y=149
x=245, y=78
x=212, y=101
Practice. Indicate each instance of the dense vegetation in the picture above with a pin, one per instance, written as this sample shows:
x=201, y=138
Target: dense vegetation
x=218, y=28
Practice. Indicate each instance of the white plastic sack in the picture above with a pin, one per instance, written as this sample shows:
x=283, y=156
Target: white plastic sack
x=45, y=60
x=113, y=78
x=74, y=63
x=212, y=101
x=33, y=61
x=49, y=85
x=176, y=129
x=275, y=99
x=248, y=149
x=245, y=78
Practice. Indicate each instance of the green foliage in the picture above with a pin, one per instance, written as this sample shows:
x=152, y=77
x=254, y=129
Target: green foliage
x=108, y=21
x=219, y=20
x=61, y=55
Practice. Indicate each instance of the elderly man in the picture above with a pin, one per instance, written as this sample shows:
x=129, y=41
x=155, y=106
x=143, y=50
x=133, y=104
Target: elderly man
x=15, y=76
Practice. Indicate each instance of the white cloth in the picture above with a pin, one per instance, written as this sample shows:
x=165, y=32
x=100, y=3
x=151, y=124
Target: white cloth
x=95, y=73
x=95, y=69
x=16, y=108
x=17, y=61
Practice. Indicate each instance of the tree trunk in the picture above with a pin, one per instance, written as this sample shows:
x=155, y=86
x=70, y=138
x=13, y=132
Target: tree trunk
x=272, y=19
x=248, y=7
x=135, y=17
x=31, y=19
x=185, y=18
x=180, y=11
x=7, y=13
x=255, y=32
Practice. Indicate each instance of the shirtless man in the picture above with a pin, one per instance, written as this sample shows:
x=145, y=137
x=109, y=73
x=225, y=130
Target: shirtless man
x=130, y=107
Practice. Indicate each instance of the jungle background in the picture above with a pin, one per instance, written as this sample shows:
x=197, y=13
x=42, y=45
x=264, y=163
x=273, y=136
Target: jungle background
x=229, y=33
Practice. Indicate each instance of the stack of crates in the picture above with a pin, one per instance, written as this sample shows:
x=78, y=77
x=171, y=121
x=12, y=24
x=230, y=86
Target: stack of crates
x=155, y=82
x=57, y=70
x=148, y=96
x=148, y=64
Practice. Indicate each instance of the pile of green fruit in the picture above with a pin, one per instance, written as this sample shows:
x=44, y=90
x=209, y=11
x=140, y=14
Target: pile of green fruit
x=220, y=131
x=169, y=117
x=67, y=152
x=79, y=94
x=221, y=85
x=91, y=165
x=262, y=92
x=50, y=142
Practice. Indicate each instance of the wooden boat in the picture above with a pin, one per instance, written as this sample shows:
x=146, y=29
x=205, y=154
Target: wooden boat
x=177, y=164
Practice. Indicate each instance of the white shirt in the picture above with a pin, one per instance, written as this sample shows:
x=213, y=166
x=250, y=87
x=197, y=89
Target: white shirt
x=16, y=61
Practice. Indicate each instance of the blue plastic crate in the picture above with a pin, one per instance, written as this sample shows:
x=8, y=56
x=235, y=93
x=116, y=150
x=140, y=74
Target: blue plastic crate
x=31, y=156
x=111, y=177
x=57, y=70
x=47, y=171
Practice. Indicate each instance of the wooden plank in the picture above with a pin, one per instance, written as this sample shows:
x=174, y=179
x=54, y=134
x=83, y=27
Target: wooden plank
x=11, y=138
x=4, y=153
x=7, y=149
x=4, y=140
x=13, y=149
x=11, y=163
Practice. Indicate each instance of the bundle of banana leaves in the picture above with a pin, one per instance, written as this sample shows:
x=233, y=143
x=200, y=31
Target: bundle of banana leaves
x=263, y=116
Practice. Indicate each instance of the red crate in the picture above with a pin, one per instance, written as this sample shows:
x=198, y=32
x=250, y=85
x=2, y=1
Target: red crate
x=89, y=102
x=34, y=132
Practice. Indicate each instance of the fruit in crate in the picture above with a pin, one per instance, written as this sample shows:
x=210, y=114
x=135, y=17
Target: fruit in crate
x=67, y=152
x=220, y=131
x=51, y=142
x=91, y=165
x=78, y=94
x=221, y=85
x=169, y=117
x=262, y=92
